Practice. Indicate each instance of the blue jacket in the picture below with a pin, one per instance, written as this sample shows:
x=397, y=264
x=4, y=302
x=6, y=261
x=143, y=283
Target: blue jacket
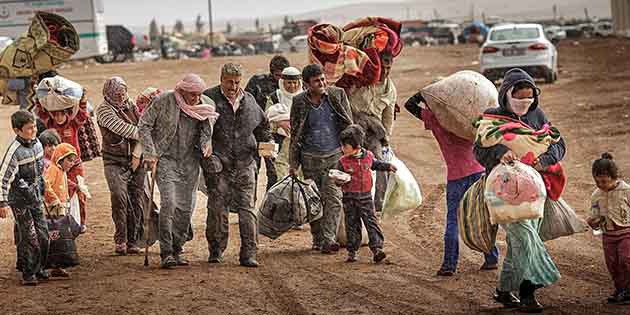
x=535, y=117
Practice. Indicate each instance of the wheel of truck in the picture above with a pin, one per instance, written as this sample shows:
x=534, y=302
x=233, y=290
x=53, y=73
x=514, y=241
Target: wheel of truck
x=550, y=77
x=107, y=58
x=121, y=58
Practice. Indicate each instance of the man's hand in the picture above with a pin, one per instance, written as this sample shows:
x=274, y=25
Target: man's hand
x=509, y=157
x=135, y=163
x=84, y=100
x=4, y=212
x=149, y=162
x=207, y=151
x=393, y=168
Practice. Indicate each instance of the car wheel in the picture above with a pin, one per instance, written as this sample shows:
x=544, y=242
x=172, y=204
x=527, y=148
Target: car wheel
x=107, y=58
x=550, y=77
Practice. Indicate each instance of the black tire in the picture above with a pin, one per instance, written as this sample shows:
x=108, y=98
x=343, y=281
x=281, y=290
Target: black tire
x=107, y=58
x=120, y=58
x=550, y=77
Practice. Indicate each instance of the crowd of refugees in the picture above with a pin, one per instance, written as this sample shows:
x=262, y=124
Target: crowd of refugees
x=194, y=129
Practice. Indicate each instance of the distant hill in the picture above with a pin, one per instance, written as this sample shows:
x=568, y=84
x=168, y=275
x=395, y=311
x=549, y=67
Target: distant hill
x=458, y=10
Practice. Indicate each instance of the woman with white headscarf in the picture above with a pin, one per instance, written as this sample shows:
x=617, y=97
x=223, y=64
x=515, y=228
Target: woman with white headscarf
x=278, y=112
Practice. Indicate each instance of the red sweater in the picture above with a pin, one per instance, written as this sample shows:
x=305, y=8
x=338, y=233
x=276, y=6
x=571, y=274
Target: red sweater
x=69, y=132
x=360, y=169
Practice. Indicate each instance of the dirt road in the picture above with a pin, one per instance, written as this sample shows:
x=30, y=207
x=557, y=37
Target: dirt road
x=590, y=104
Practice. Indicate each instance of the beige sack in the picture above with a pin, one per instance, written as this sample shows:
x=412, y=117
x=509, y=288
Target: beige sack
x=459, y=99
x=341, y=233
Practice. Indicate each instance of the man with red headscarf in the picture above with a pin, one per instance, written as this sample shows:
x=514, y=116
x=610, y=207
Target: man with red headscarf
x=176, y=133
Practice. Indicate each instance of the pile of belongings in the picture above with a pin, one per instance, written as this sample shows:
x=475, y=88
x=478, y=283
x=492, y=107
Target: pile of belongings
x=350, y=56
x=459, y=99
x=50, y=41
x=403, y=192
x=289, y=203
x=514, y=192
x=473, y=219
x=58, y=93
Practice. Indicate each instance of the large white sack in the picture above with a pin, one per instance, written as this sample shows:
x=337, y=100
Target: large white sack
x=58, y=93
x=514, y=192
x=403, y=192
x=459, y=99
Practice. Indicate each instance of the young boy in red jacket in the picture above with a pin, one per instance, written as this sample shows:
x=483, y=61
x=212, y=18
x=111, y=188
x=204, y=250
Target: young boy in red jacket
x=357, y=193
x=67, y=126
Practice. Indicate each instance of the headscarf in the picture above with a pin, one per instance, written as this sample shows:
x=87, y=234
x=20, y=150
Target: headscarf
x=284, y=96
x=192, y=83
x=144, y=99
x=115, y=92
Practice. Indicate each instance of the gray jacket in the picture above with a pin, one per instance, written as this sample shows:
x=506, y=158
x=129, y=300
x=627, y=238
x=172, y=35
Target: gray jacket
x=158, y=125
x=300, y=109
x=236, y=135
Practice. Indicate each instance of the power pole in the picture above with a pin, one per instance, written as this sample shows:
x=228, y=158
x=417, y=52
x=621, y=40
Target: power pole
x=210, y=23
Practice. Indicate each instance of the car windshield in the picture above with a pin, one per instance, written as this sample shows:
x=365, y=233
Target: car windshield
x=512, y=34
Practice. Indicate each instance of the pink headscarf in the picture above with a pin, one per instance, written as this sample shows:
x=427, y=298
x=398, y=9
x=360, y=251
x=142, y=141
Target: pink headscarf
x=192, y=83
x=115, y=92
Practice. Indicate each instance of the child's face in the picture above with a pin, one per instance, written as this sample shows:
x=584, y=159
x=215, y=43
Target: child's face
x=349, y=150
x=605, y=183
x=48, y=151
x=60, y=117
x=28, y=131
x=68, y=162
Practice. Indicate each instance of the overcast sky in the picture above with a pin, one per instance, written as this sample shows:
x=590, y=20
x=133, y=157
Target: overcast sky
x=140, y=12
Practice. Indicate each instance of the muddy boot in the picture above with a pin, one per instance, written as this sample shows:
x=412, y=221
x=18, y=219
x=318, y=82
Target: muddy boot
x=249, y=262
x=445, y=272
x=529, y=304
x=506, y=298
x=42, y=275
x=330, y=249
x=29, y=280
x=168, y=262
x=216, y=257
x=120, y=250
x=59, y=273
x=379, y=255
x=181, y=261
x=352, y=257
x=617, y=297
x=133, y=250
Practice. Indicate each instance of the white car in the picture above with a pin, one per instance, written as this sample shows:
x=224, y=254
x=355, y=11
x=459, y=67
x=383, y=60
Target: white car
x=522, y=46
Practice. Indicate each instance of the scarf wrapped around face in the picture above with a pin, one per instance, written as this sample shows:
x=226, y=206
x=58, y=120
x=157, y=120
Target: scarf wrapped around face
x=192, y=83
x=115, y=92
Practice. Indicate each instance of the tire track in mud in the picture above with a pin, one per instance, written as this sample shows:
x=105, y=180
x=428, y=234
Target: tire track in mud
x=284, y=299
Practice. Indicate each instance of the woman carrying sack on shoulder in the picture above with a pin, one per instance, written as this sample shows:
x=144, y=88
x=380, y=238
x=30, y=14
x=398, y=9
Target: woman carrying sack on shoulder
x=527, y=265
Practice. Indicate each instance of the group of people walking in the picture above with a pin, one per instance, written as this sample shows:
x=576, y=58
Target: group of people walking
x=195, y=131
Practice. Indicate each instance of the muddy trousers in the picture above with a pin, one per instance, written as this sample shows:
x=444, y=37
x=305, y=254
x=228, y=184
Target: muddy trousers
x=375, y=146
x=617, y=254
x=316, y=168
x=128, y=201
x=359, y=209
x=233, y=189
x=177, y=193
x=31, y=239
x=455, y=190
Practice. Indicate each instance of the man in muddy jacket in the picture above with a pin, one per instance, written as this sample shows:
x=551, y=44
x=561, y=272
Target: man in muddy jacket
x=237, y=131
x=176, y=130
x=317, y=118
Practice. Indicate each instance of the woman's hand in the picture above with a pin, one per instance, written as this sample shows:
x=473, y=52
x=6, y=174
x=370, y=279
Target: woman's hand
x=285, y=125
x=135, y=163
x=594, y=223
x=509, y=157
